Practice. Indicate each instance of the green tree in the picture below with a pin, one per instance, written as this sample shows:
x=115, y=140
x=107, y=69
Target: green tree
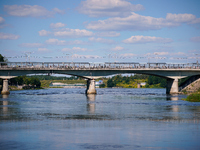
x=127, y=80
x=2, y=59
x=152, y=80
x=102, y=85
x=35, y=82
x=110, y=83
x=163, y=83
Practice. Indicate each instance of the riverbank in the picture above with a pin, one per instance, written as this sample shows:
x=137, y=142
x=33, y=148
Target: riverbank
x=193, y=91
x=46, y=83
x=193, y=97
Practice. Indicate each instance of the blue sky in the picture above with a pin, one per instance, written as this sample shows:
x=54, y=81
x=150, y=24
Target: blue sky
x=100, y=30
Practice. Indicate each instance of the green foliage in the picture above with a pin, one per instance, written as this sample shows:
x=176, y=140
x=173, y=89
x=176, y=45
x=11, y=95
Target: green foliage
x=126, y=81
x=181, y=81
x=45, y=77
x=154, y=80
x=110, y=83
x=195, y=97
x=131, y=81
x=102, y=85
x=46, y=83
x=33, y=81
x=2, y=59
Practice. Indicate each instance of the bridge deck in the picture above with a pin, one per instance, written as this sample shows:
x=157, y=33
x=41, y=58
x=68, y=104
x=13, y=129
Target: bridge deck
x=105, y=65
x=99, y=69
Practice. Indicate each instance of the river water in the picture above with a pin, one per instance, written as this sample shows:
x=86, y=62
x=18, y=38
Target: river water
x=121, y=119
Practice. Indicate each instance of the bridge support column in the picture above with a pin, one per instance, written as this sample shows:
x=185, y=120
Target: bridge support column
x=5, y=90
x=90, y=87
x=172, y=86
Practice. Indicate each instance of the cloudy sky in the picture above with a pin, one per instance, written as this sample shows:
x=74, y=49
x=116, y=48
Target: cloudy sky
x=100, y=30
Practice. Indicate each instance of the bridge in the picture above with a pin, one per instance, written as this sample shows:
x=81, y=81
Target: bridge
x=92, y=71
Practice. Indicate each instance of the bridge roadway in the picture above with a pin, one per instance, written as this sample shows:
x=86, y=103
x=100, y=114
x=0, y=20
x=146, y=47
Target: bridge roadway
x=91, y=71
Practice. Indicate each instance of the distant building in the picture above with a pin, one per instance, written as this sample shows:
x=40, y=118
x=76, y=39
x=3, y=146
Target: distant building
x=143, y=83
x=139, y=85
x=57, y=84
x=97, y=83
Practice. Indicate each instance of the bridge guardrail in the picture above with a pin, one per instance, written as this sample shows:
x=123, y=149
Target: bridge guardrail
x=87, y=65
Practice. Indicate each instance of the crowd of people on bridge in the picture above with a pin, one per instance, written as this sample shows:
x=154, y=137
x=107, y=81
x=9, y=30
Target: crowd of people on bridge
x=113, y=65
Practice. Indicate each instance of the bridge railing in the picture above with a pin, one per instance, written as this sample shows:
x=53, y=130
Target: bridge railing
x=105, y=65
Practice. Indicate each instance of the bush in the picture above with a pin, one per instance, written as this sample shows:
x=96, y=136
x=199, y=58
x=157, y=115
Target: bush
x=110, y=83
x=26, y=80
x=195, y=97
x=102, y=85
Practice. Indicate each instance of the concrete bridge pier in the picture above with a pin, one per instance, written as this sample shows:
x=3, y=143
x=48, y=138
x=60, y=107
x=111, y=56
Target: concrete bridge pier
x=5, y=90
x=172, y=86
x=90, y=87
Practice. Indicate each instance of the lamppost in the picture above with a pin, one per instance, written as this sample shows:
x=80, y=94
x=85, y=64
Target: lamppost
x=156, y=57
x=28, y=54
x=197, y=59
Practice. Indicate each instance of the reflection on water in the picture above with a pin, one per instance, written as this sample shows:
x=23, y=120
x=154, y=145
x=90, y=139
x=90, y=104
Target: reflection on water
x=173, y=97
x=112, y=119
x=91, y=103
x=5, y=109
x=4, y=96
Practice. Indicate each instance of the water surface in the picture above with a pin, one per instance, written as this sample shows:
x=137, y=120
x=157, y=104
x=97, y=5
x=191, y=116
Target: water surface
x=112, y=119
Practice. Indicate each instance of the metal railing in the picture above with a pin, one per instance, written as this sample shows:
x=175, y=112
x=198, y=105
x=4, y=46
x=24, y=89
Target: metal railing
x=104, y=65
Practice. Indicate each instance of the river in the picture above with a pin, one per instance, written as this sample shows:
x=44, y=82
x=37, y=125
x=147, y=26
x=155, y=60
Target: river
x=62, y=118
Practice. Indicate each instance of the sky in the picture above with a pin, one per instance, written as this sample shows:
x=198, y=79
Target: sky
x=100, y=30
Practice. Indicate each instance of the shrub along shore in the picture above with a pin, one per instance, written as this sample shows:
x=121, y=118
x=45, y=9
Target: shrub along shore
x=193, y=97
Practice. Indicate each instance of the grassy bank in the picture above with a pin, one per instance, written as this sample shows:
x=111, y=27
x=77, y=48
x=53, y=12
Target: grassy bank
x=194, y=97
x=46, y=83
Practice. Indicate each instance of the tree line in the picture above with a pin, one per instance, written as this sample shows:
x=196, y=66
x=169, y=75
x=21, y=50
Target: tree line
x=24, y=80
x=132, y=81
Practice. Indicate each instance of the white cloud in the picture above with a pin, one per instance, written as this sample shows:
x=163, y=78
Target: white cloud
x=195, y=39
x=7, y=36
x=31, y=45
x=77, y=42
x=63, y=42
x=55, y=42
x=43, y=49
x=107, y=34
x=101, y=40
x=127, y=55
x=56, y=10
x=139, y=22
x=2, y=23
x=75, y=49
x=118, y=48
x=73, y=33
x=2, y=20
x=161, y=53
x=182, y=18
x=79, y=49
x=44, y=33
x=179, y=53
x=66, y=49
x=99, y=8
x=57, y=25
x=146, y=39
x=30, y=11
